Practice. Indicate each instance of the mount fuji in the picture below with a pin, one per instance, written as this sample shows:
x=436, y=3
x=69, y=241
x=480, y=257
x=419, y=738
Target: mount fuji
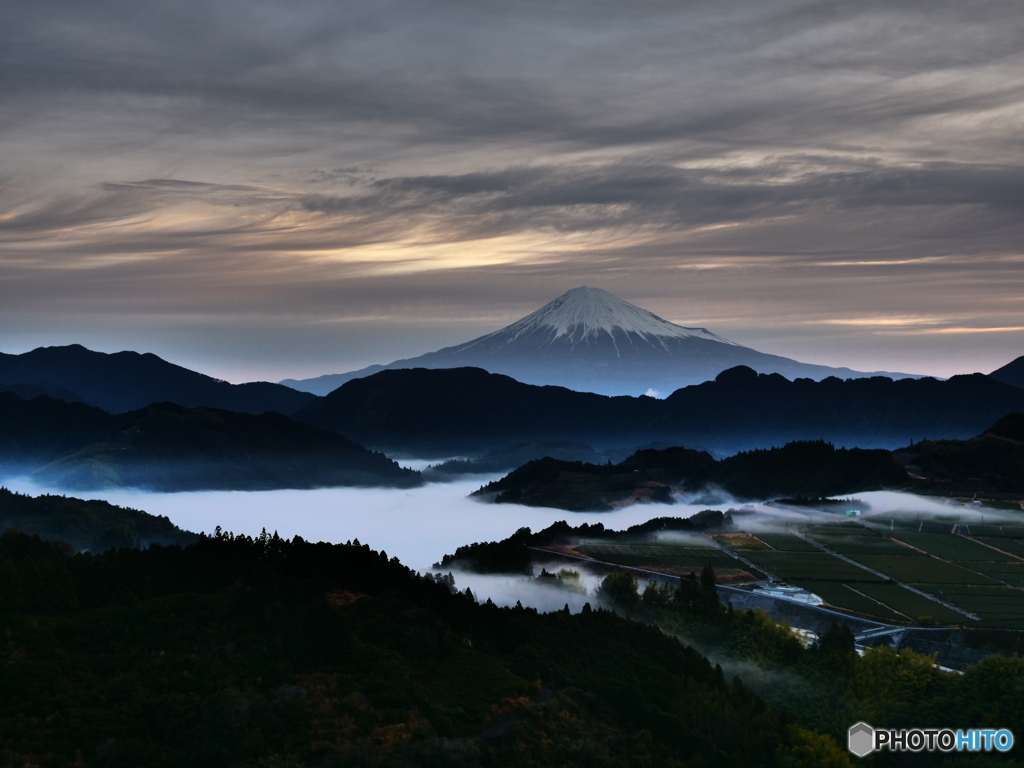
x=590, y=340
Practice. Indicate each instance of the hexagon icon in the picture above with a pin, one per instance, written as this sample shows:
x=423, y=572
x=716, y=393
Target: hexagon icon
x=861, y=739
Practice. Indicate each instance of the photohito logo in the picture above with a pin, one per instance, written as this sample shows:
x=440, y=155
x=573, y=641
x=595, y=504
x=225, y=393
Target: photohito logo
x=862, y=740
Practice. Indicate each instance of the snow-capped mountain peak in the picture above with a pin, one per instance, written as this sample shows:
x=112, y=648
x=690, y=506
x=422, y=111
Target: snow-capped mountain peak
x=589, y=340
x=585, y=311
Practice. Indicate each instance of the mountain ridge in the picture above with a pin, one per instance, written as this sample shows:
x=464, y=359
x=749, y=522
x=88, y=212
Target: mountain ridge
x=1012, y=373
x=589, y=340
x=168, y=447
x=451, y=412
x=125, y=381
x=992, y=462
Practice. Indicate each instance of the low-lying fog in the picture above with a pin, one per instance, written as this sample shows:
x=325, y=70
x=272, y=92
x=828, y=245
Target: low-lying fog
x=418, y=525
x=421, y=525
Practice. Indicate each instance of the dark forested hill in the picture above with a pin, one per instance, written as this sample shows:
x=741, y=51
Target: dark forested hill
x=247, y=652
x=991, y=463
x=266, y=652
x=125, y=381
x=798, y=469
x=167, y=447
x=38, y=430
x=447, y=411
x=87, y=525
x=1010, y=426
x=453, y=411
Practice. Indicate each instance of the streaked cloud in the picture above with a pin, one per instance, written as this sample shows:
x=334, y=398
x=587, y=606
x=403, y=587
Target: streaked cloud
x=808, y=178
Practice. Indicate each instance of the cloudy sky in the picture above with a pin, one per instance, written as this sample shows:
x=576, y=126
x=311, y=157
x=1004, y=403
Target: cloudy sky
x=266, y=189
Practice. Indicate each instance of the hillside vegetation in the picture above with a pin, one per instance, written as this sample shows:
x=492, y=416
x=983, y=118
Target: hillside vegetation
x=92, y=525
x=990, y=464
x=798, y=469
x=265, y=652
x=167, y=447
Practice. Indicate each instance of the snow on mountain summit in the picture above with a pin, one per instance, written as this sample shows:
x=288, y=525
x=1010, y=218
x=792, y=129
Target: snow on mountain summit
x=585, y=311
x=591, y=341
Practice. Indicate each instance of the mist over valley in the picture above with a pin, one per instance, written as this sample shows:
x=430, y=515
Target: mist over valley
x=511, y=385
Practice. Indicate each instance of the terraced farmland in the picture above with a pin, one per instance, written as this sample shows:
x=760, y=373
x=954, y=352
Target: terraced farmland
x=1010, y=572
x=958, y=566
x=1006, y=544
x=802, y=566
x=922, y=570
x=852, y=598
x=641, y=555
x=855, y=542
x=949, y=547
x=786, y=542
x=739, y=541
x=899, y=524
x=971, y=575
x=911, y=604
x=998, y=607
x=1008, y=531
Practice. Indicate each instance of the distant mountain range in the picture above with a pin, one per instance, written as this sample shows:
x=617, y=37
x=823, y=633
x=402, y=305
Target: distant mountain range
x=463, y=411
x=126, y=381
x=490, y=420
x=29, y=391
x=591, y=341
x=167, y=447
x=1012, y=373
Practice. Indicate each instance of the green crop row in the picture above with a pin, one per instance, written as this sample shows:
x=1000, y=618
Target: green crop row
x=911, y=604
x=1009, y=531
x=889, y=602
x=639, y=561
x=644, y=555
x=864, y=545
x=951, y=547
x=810, y=565
x=921, y=570
x=1011, y=573
x=1006, y=544
x=657, y=550
x=786, y=542
x=1003, y=607
x=850, y=598
x=892, y=525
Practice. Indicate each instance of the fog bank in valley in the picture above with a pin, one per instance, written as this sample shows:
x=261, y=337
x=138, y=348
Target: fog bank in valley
x=418, y=525
x=421, y=525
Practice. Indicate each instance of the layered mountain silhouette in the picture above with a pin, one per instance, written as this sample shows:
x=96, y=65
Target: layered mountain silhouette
x=1012, y=373
x=591, y=341
x=804, y=468
x=991, y=463
x=167, y=447
x=28, y=391
x=453, y=412
x=125, y=381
